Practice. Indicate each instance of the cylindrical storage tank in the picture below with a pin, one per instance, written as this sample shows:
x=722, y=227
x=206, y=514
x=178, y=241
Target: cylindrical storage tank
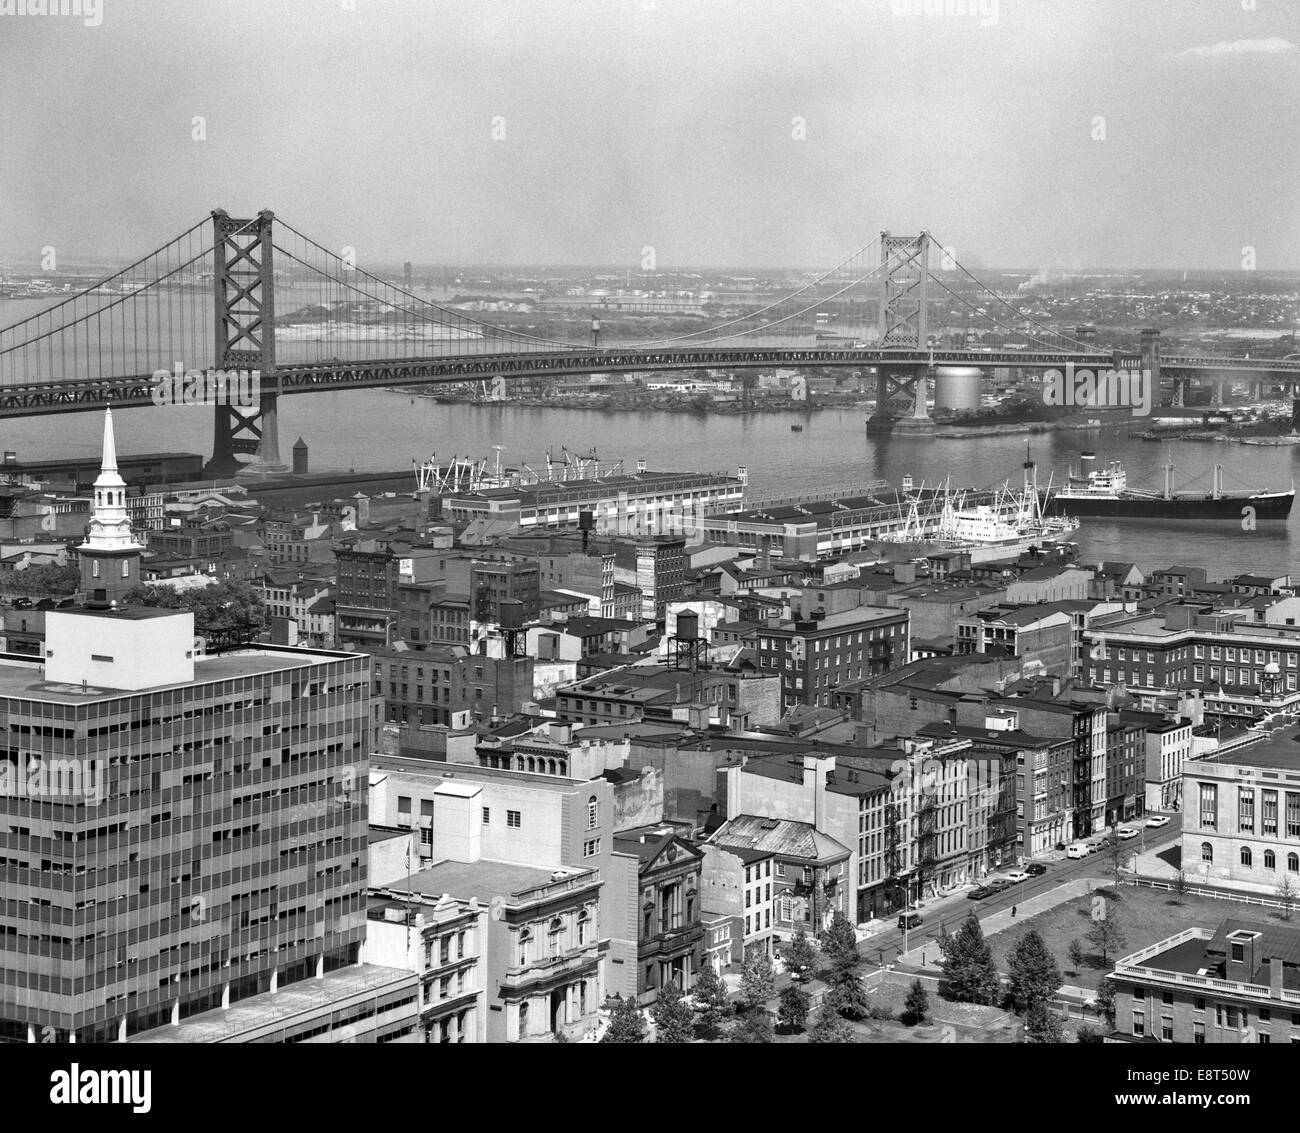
x=511, y=613
x=957, y=388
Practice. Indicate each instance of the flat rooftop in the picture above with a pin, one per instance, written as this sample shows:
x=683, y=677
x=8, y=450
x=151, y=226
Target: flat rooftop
x=25, y=679
x=481, y=879
x=304, y=1000
x=1281, y=751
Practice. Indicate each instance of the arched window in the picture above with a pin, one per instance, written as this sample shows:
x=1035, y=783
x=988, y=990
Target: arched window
x=94, y=568
x=593, y=813
x=524, y=937
x=1247, y=859
x=523, y=1018
x=1207, y=852
x=126, y=568
x=1270, y=860
x=1293, y=863
x=557, y=936
x=584, y=923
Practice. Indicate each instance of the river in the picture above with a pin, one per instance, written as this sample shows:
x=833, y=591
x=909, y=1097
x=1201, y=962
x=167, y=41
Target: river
x=381, y=430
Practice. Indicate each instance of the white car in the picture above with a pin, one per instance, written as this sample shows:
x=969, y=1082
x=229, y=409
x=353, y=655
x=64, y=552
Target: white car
x=1158, y=820
x=1015, y=876
x=1124, y=833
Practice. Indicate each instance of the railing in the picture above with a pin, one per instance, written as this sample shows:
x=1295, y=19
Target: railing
x=1210, y=891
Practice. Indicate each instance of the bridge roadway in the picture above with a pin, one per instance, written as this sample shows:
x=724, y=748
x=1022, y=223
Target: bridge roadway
x=84, y=394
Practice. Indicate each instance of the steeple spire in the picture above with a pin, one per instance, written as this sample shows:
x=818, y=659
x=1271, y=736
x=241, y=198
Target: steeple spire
x=110, y=525
x=109, y=461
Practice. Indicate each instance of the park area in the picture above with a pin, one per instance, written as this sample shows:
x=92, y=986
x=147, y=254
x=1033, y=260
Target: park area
x=1145, y=916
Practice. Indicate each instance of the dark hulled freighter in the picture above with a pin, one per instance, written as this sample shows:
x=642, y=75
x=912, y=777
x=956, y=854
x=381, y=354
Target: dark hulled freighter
x=1105, y=492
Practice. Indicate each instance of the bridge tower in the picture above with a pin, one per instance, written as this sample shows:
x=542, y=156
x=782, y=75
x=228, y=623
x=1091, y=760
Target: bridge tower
x=244, y=293
x=903, y=310
x=1151, y=362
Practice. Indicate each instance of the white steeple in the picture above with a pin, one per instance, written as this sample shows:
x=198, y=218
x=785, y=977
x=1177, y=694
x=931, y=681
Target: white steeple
x=110, y=527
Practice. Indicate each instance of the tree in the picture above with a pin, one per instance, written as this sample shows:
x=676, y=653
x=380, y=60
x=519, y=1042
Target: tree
x=44, y=580
x=1119, y=855
x=757, y=979
x=793, y=1011
x=1076, y=955
x=918, y=1004
x=1089, y=1034
x=840, y=942
x=970, y=975
x=626, y=1023
x=1106, y=936
x=1104, y=1004
x=1180, y=884
x=753, y=1026
x=800, y=956
x=1043, y=1025
x=673, y=1015
x=831, y=1026
x=711, y=995
x=1035, y=978
x=847, y=995
x=1287, y=893
x=228, y=605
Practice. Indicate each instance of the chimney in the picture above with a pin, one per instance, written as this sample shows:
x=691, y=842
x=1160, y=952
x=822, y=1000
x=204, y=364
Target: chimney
x=1240, y=963
x=815, y=770
x=1275, y=978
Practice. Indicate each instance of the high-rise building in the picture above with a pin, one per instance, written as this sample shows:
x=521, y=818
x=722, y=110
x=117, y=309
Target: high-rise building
x=177, y=832
x=110, y=556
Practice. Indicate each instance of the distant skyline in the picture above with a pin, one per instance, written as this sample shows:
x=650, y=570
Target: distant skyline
x=1038, y=134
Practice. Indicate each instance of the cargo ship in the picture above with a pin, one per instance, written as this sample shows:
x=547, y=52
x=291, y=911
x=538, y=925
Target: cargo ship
x=1012, y=525
x=1093, y=491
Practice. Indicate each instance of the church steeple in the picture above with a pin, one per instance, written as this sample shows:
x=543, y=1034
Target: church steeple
x=110, y=556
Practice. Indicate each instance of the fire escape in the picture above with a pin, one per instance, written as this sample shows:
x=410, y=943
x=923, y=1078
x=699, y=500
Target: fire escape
x=927, y=837
x=896, y=881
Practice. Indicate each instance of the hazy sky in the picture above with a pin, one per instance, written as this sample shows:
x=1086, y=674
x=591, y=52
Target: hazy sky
x=668, y=123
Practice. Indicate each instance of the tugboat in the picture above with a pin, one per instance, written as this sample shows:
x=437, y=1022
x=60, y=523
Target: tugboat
x=1093, y=491
x=796, y=428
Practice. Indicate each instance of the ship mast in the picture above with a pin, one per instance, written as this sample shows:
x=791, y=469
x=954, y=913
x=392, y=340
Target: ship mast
x=1217, y=490
x=1169, y=478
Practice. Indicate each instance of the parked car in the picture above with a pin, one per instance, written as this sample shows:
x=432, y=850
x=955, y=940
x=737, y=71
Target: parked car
x=1077, y=850
x=980, y=892
x=1035, y=869
x=1124, y=833
x=1016, y=876
x=997, y=885
x=1158, y=820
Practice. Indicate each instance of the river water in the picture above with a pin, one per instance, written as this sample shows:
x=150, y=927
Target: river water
x=381, y=430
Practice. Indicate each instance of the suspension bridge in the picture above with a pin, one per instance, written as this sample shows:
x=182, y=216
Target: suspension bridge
x=257, y=295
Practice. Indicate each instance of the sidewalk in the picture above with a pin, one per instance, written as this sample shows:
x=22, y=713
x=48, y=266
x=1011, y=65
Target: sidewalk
x=925, y=948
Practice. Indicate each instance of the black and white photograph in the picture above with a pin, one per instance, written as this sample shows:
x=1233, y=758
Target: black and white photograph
x=651, y=521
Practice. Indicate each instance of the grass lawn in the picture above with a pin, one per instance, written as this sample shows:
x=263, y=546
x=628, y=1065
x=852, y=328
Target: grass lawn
x=1145, y=917
x=946, y=1023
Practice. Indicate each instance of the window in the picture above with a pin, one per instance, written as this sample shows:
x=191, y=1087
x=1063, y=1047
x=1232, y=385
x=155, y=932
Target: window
x=1167, y=1029
x=593, y=813
x=513, y=819
x=1247, y=859
x=591, y=848
x=1198, y=1032
x=1139, y=1023
x=487, y=814
x=444, y=950
x=1209, y=806
x=1293, y=863
x=1270, y=860
x=1207, y=853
